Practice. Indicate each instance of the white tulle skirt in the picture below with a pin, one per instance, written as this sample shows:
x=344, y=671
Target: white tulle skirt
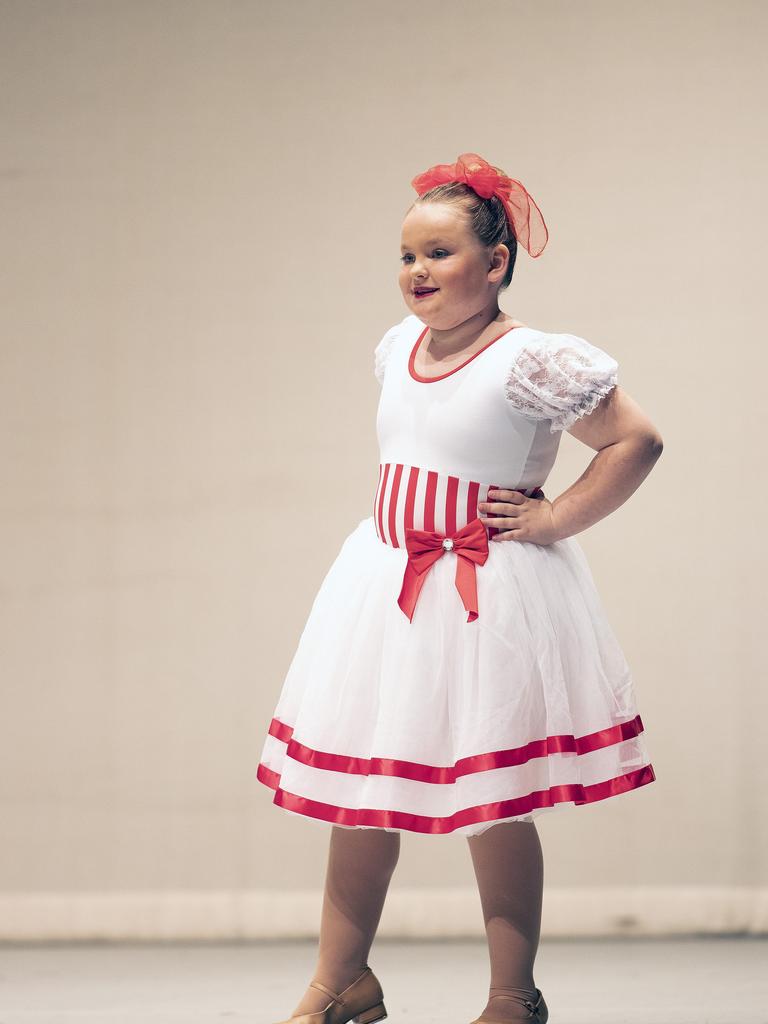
x=441, y=725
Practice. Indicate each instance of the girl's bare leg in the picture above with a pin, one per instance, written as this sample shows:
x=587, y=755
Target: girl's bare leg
x=361, y=862
x=509, y=867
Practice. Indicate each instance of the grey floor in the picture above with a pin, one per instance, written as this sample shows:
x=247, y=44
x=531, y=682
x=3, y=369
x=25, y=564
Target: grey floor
x=617, y=981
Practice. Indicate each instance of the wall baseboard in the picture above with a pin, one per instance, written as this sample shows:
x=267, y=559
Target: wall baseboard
x=427, y=913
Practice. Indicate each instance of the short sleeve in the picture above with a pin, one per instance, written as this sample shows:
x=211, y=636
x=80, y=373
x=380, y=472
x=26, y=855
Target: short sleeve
x=382, y=350
x=559, y=377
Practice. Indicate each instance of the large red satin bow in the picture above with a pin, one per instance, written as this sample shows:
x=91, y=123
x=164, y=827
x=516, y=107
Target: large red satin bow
x=522, y=212
x=424, y=547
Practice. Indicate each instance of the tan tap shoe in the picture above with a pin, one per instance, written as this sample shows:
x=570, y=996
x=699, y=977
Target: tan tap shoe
x=362, y=1002
x=533, y=1012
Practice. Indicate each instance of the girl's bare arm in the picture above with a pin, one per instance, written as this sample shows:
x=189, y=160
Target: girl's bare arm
x=627, y=445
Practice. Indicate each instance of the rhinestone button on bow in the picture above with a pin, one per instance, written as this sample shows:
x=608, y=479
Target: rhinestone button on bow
x=448, y=543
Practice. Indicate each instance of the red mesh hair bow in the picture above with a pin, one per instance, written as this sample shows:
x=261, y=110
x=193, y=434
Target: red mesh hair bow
x=522, y=212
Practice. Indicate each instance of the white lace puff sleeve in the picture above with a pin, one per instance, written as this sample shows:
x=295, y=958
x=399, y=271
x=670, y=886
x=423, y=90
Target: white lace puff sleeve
x=381, y=352
x=559, y=377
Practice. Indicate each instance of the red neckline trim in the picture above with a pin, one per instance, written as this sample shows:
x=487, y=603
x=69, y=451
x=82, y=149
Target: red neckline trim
x=429, y=380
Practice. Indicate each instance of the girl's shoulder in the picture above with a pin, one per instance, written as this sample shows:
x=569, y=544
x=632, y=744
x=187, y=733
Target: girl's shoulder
x=404, y=332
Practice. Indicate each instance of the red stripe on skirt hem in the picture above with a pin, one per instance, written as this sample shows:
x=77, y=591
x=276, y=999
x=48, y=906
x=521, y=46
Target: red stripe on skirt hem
x=565, y=743
x=372, y=817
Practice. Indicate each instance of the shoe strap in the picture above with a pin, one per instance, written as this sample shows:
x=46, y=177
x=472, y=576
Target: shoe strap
x=328, y=991
x=335, y=995
x=531, y=1006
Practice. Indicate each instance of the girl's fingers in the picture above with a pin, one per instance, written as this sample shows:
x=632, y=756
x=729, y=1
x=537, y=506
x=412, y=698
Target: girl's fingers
x=516, y=497
x=506, y=520
x=502, y=502
x=505, y=507
x=499, y=522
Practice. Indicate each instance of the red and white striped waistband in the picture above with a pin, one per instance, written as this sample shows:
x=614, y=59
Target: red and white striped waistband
x=409, y=496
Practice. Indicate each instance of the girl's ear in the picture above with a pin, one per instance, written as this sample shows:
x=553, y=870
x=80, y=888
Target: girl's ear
x=497, y=256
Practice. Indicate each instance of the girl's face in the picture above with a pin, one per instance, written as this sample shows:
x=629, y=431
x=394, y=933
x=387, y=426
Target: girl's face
x=440, y=251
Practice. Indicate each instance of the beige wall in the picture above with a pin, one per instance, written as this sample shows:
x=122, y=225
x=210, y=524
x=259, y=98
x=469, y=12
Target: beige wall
x=201, y=213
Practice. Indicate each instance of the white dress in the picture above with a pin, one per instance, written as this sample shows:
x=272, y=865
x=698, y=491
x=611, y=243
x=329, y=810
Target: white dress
x=498, y=691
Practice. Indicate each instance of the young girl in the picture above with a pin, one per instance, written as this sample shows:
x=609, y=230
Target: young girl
x=457, y=673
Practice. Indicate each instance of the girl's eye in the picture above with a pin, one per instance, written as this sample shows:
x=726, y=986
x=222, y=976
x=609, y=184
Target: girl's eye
x=404, y=259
